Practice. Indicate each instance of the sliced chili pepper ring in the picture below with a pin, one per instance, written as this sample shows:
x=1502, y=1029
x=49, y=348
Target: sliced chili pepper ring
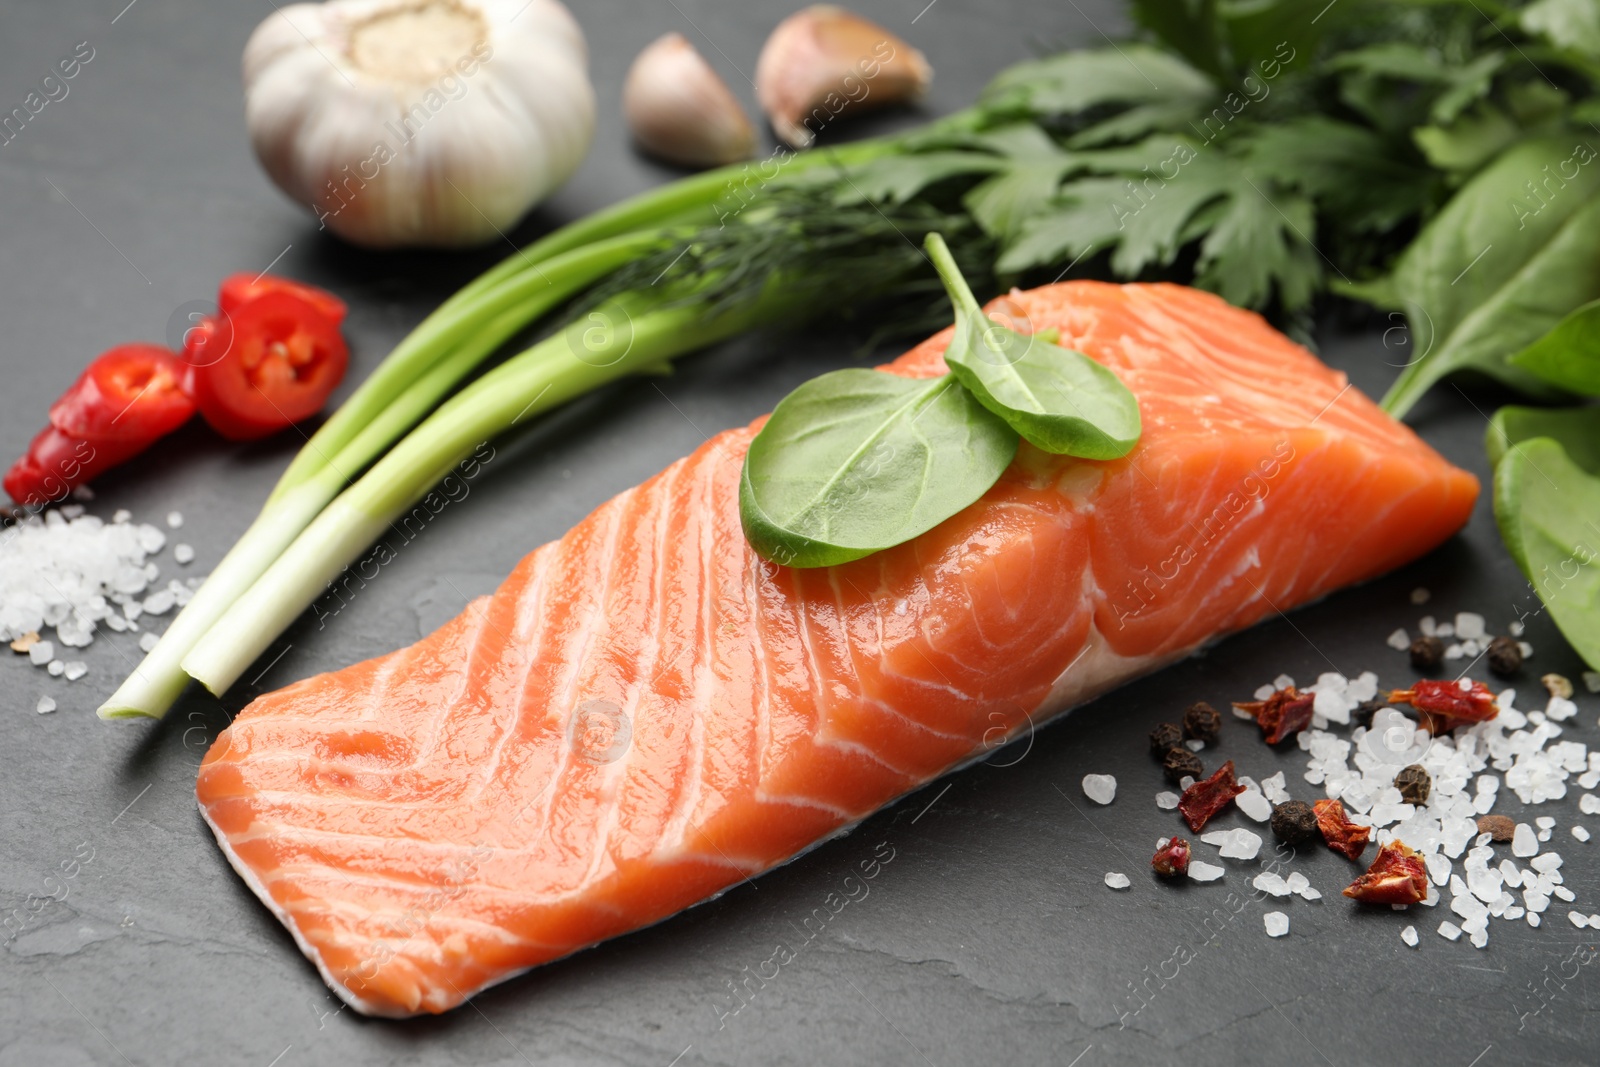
x=129, y=393
x=280, y=359
x=237, y=290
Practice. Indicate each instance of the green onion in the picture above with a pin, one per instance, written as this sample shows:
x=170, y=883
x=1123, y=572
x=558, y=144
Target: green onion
x=546, y=375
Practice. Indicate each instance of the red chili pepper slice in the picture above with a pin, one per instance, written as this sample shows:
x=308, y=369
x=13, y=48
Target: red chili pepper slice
x=277, y=358
x=57, y=463
x=1397, y=876
x=237, y=290
x=1283, y=714
x=129, y=393
x=1204, y=799
x=1342, y=835
x=1172, y=859
x=1446, y=705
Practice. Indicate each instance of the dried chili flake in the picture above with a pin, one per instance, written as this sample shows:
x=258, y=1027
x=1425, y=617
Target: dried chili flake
x=1171, y=859
x=1397, y=876
x=1446, y=705
x=1342, y=835
x=1283, y=714
x=1204, y=799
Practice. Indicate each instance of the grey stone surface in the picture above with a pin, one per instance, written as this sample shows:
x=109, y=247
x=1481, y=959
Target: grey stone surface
x=990, y=936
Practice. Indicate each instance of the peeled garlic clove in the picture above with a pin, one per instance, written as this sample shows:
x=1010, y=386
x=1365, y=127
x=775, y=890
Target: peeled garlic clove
x=419, y=122
x=679, y=110
x=822, y=60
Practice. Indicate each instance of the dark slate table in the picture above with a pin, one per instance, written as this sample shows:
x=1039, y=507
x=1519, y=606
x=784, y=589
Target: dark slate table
x=988, y=938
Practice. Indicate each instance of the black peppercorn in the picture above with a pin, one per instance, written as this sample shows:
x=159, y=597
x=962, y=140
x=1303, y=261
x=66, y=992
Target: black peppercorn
x=1203, y=722
x=1505, y=656
x=1293, y=822
x=1164, y=738
x=1179, y=762
x=1427, y=653
x=1414, y=784
x=1362, y=715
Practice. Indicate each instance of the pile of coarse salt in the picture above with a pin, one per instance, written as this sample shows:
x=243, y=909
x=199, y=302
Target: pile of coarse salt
x=72, y=572
x=1359, y=771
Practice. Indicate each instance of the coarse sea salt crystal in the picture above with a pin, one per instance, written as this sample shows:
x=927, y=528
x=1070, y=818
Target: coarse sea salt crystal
x=1532, y=918
x=55, y=668
x=1269, y=882
x=1449, y=930
x=1117, y=880
x=41, y=653
x=1578, y=919
x=1241, y=845
x=1469, y=625
x=1589, y=804
x=1100, y=788
x=1201, y=871
x=1167, y=801
x=1581, y=833
x=1254, y=804
x=1524, y=842
x=75, y=669
x=147, y=643
x=184, y=555
x=1400, y=640
x=174, y=519
x=1194, y=744
x=1409, y=936
x=45, y=706
x=1277, y=923
x=1591, y=681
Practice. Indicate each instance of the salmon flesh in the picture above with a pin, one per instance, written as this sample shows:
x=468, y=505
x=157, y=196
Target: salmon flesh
x=646, y=712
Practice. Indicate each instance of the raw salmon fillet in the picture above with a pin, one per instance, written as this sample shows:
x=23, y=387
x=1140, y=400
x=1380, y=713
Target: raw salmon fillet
x=646, y=712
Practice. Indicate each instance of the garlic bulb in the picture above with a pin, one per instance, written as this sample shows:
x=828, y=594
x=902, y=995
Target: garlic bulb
x=419, y=122
x=823, y=60
x=680, y=110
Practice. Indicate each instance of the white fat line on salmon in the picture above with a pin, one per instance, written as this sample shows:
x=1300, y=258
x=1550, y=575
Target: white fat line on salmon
x=1215, y=923
x=742, y=990
x=1145, y=590
x=453, y=884
x=407, y=528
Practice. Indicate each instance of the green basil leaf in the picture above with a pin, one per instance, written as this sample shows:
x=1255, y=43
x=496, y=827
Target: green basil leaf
x=1057, y=399
x=857, y=461
x=1576, y=429
x=1509, y=256
x=1548, y=510
x=1569, y=355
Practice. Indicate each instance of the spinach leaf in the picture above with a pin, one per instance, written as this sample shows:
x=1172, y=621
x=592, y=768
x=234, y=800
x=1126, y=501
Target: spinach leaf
x=1548, y=510
x=1057, y=399
x=1573, y=24
x=1569, y=355
x=1576, y=429
x=857, y=461
x=1503, y=262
